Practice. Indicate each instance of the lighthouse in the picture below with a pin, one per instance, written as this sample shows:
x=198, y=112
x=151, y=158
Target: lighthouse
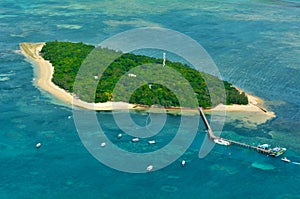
x=164, y=59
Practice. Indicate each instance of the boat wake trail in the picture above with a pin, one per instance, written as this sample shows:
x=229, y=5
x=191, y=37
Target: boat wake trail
x=297, y=163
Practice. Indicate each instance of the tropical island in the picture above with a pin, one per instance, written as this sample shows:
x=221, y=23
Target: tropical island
x=59, y=63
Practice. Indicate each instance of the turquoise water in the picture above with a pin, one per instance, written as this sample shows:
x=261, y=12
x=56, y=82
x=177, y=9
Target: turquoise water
x=255, y=44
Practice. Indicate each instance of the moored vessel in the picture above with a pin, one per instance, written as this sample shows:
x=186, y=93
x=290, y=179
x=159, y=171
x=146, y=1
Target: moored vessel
x=277, y=151
x=264, y=146
x=221, y=142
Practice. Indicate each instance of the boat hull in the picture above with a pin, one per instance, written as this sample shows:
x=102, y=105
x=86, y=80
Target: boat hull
x=277, y=151
x=221, y=142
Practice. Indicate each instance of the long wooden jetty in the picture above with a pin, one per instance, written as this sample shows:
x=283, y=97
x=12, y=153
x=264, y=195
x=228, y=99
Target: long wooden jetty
x=209, y=130
x=212, y=136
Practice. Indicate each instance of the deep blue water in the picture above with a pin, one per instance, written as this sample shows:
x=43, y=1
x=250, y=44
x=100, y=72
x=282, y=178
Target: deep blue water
x=256, y=46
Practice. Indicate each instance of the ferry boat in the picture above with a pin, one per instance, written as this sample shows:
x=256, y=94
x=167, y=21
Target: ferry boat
x=277, y=151
x=221, y=142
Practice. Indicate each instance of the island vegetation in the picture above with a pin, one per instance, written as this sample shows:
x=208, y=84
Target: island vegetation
x=67, y=58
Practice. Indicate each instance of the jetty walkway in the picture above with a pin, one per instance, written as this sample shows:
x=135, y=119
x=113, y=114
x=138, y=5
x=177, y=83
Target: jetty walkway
x=212, y=136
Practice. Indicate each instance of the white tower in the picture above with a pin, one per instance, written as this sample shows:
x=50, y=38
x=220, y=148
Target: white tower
x=164, y=57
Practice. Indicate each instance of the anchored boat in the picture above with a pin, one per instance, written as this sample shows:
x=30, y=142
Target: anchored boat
x=286, y=160
x=152, y=142
x=135, y=140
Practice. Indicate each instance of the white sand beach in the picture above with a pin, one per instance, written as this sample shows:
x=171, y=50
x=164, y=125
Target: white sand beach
x=46, y=70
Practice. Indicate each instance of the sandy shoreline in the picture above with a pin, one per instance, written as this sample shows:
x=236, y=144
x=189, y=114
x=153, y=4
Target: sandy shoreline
x=46, y=70
x=32, y=50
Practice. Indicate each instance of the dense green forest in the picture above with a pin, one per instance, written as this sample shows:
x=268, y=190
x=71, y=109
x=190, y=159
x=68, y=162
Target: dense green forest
x=123, y=71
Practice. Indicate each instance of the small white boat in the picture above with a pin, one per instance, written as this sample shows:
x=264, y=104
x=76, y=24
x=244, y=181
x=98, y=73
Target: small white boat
x=150, y=167
x=183, y=163
x=119, y=135
x=152, y=142
x=38, y=145
x=135, y=140
x=285, y=159
x=103, y=144
x=264, y=146
x=221, y=142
